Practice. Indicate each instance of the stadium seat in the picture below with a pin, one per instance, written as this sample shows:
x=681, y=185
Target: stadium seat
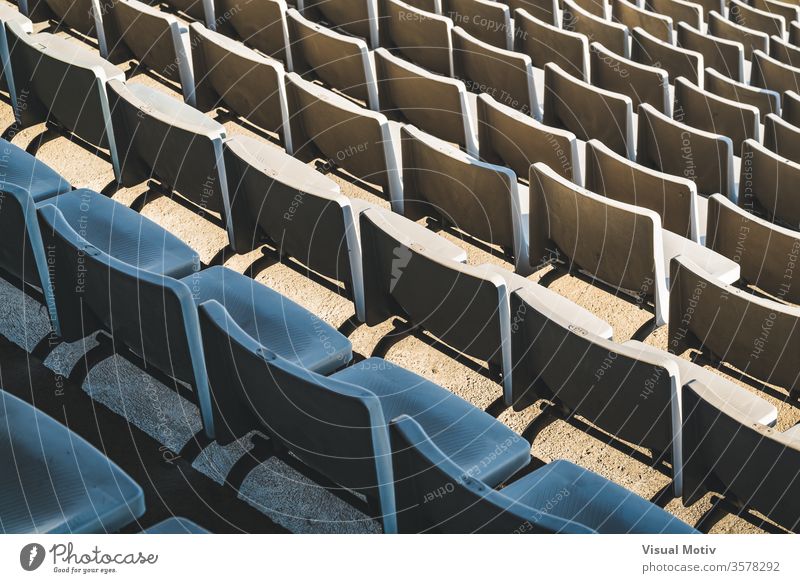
x=486, y=20
x=569, y=224
x=248, y=84
x=679, y=11
x=54, y=481
x=729, y=324
x=632, y=16
x=338, y=424
x=783, y=51
x=361, y=141
x=545, y=43
x=63, y=82
x=749, y=17
x=675, y=199
x=641, y=83
x=766, y=253
x=545, y=10
x=649, y=50
x=155, y=39
x=508, y=137
x=176, y=525
x=480, y=199
x=751, y=40
x=725, y=56
x=791, y=108
x=612, y=35
x=767, y=185
x=261, y=25
x=587, y=111
x=419, y=36
x=505, y=75
x=675, y=148
x=356, y=17
x=765, y=100
x=340, y=61
x=599, y=8
x=8, y=13
x=434, y=103
x=794, y=33
x=752, y=465
x=706, y=111
x=787, y=10
x=559, y=497
x=202, y=10
x=83, y=16
x=782, y=137
x=769, y=73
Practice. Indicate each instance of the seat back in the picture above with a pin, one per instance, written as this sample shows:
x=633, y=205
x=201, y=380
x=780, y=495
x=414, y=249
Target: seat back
x=612, y=35
x=785, y=52
x=764, y=21
x=726, y=452
x=476, y=197
x=673, y=198
x=422, y=37
x=766, y=184
x=782, y=137
x=726, y=56
x=787, y=10
x=678, y=62
x=486, y=20
x=632, y=16
x=355, y=138
x=260, y=24
x=356, y=17
x=641, y=83
x=421, y=471
x=249, y=84
x=587, y=111
x=503, y=74
x=705, y=158
x=508, y=137
x=769, y=73
x=758, y=336
x=339, y=60
x=765, y=252
x=434, y=103
x=679, y=11
x=545, y=43
x=721, y=27
x=85, y=16
x=765, y=100
x=544, y=10
x=791, y=108
x=706, y=111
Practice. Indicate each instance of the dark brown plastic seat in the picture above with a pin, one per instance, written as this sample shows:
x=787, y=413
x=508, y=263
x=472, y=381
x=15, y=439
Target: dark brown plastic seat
x=632, y=16
x=765, y=100
x=510, y=138
x=505, y=75
x=612, y=35
x=356, y=17
x=341, y=62
x=794, y=33
x=767, y=22
x=679, y=11
x=783, y=51
x=486, y=20
x=434, y=103
x=751, y=39
x=766, y=253
x=259, y=24
x=642, y=83
x=729, y=324
x=704, y=110
x=791, y=108
x=588, y=112
x=361, y=141
x=422, y=37
x=248, y=84
x=545, y=43
x=675, y=199
x=676, y=148
x=767, y=185
x=545, y=10
x=725, y=56
x=678, y=62
x=751, y=464
x=782, y=137
x=769, y=73
x=789, y=11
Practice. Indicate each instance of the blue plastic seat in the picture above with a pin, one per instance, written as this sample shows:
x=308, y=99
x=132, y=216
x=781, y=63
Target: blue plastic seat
x=176, y=525
x=53, y=481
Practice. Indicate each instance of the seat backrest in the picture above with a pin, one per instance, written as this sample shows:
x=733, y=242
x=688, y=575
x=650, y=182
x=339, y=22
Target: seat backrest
x=757, y=336
x=679, y=11
x=632, y=16
x=672, y=197
x=791, y=108
x=726, y=56
x=249, y=84
x=612, y=35
x=356, y=17
x=679, y=149
x=355, y=138
x=201, y=10
x=783, y=51
x=726, y=452
x=261, y=25
x=506, y=75
x=162, y=137
x=721, y=27
x=476, y=197
x=587, y=111
x=782, y=137
x=335, y=427
x=614, y=242
x=794, y=33
x=642, y=83
x=486, y=20
x=625, y=391
x=80, y=15
x=510, y=138
x=545, y=10
x=466, y=505
x=339, y=60
x=678, y=62
x=767, y=182
x=434, y=103
x=769, y=73
x=545, y=43
x=706, y=111
x=765, y=100
x=767, y=22
x=765, y=252
x=789, y=11
x=421, y=37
